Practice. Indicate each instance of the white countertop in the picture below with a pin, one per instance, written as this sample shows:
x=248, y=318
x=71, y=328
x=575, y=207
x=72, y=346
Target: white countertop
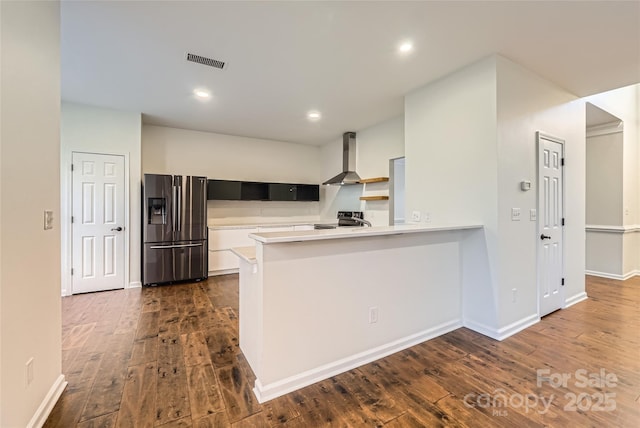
x=246, y=253
x=352, y=232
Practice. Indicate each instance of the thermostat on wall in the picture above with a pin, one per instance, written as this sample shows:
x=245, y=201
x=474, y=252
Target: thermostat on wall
x=525, y=185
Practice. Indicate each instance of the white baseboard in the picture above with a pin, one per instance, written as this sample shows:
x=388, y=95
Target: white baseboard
x=135, y=284
x=504, y=332
x=575, y=299
x=223, y=272
x=276, y=389
x=50, y=400
x=613, y=275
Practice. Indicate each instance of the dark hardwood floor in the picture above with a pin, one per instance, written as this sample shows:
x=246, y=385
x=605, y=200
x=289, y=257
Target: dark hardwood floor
x=169, y=356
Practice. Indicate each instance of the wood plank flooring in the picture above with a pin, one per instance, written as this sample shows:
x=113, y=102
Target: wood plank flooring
x=169, y=356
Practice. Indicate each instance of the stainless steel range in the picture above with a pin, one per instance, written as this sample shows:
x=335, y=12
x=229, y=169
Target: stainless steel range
x=345, y=219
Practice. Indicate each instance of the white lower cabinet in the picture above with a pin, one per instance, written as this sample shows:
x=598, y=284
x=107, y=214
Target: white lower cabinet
x=222, y=260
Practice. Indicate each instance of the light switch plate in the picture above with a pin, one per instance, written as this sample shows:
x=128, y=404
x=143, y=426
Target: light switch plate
x=533, y=214
x=48, y=219
x=515, y=214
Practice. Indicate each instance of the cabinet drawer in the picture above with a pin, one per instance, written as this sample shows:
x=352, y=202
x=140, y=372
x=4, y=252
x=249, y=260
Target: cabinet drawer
x=223, y=260
x=223, y=239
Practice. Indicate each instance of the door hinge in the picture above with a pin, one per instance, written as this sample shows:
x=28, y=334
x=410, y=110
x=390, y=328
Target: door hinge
x=562, y=162
x=71, y=219
x=563, y=221
x=562, y=283
x=71, y=271
x=71, y=167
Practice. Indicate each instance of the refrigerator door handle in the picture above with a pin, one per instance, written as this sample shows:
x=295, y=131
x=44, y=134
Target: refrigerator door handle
x=162, y=247
x=173, y=206
x=179, y=209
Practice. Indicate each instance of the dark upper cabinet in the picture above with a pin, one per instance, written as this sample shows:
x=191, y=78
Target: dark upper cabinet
x=256, y=191
x=294, y=192
x=308, y=192
x=252, y=191
x=224, y=190
x=282, y=192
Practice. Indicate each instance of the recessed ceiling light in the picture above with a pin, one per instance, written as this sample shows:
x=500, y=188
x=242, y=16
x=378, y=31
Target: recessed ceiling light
x=314, y=115
x=405, y=47
x=202, y=93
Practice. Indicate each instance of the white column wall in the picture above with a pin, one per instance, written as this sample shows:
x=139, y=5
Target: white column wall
x=101, y=130
x=452, y=169
x=30, y=314
x=470, y=138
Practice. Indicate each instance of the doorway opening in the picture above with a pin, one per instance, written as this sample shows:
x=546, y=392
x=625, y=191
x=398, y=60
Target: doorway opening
x=605, y=207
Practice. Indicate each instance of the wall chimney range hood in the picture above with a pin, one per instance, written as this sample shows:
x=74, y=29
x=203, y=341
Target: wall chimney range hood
x=348, y=174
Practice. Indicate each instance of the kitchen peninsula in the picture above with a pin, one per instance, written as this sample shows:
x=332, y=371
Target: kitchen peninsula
x=317, y=303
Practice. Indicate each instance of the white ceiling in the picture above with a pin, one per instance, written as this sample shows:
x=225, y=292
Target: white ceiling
x=286, y=58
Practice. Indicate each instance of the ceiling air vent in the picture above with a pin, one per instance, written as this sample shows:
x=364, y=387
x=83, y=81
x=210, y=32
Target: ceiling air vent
x=205, y=61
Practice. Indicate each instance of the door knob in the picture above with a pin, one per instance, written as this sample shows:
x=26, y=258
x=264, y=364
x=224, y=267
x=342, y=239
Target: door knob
x=117, y=229
x=543, y=237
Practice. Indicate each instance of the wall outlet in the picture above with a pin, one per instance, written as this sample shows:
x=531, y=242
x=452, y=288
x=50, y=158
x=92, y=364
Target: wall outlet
x=415, y=216
x=514, y=297
x=533, y=214
x=426, y=217
x=29, y=371
x=515, y=214
x=373, y=315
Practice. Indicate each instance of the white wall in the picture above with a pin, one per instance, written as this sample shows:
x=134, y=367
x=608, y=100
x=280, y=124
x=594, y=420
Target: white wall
x=526, y=104
x=30, y=319
x=469, y=141
x=623, y=103
x=450, y=147
x=178, y=151
x=604, y=179
x=375, y=146
x=100, y=130
x=227, y=157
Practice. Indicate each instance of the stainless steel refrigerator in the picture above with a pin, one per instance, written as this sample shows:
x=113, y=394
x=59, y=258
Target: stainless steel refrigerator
x=174, y=228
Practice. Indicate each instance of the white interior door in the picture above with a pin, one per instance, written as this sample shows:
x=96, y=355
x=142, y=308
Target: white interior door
x=550, y=223
x=98, y=243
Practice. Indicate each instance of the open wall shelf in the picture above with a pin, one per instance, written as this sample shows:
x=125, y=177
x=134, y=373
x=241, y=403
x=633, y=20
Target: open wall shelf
x=374, y=198
x=373, y=180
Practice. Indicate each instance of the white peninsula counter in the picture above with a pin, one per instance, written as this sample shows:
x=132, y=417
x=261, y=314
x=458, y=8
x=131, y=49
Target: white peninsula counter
x=317, y=303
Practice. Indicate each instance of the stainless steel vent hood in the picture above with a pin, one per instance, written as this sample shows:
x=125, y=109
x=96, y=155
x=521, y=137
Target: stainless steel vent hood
x=348, y=174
